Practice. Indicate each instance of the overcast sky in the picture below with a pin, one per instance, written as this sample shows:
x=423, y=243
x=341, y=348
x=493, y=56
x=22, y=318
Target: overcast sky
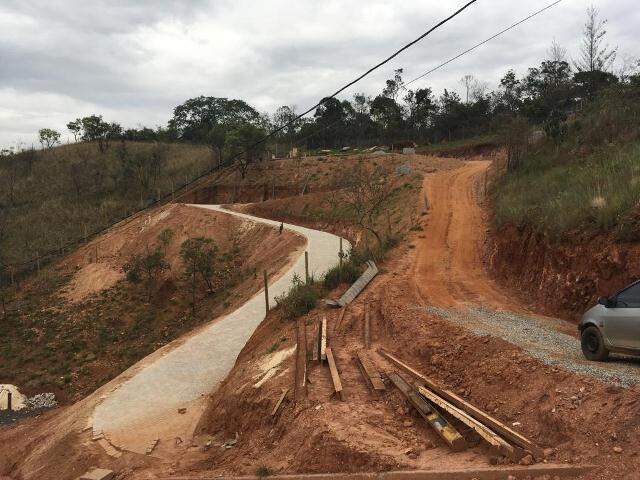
x=133, y=61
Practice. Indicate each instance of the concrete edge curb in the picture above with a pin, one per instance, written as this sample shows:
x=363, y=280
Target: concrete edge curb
x=488, y=473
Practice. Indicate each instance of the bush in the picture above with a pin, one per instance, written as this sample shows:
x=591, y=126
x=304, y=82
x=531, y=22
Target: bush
x=347, y=273
x=300, y=299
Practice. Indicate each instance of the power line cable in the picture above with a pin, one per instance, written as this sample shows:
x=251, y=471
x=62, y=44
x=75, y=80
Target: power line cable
x=375, y=67
x=282, y=127
x=484, y=41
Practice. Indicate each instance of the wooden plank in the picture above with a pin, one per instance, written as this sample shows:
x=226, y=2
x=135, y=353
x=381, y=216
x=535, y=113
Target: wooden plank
x=338, y=324
x=491, y=422
x=367, y=327
x=323, y=339
x=335, y=376
x=359, y=285
x=316, y=347
x=301, y=362
x=492, y=438
x=440, y=424
x=277, y=406
x=370, y=371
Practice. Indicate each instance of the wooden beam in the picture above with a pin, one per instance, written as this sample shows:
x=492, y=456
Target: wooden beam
x=277, y=406
x=367, y=327
x=440, y=424
x=370, y=372
x=301, y=362
x=357, y=287
x=492, y=438
x=491, y=422
x=339, y=322
x=335, y=376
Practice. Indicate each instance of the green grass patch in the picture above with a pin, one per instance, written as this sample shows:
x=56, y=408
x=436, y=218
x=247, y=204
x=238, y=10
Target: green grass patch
x=558, y=194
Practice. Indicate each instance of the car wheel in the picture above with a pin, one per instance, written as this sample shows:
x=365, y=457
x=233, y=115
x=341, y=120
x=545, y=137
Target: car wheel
x=593, y=344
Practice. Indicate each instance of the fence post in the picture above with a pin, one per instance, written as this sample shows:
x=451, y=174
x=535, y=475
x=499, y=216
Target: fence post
x=340, y=254
x=9, y=400
x=306, y=267
x=266, y=291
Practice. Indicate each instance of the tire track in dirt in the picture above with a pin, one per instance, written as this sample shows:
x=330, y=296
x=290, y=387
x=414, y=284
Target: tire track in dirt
x=449, y=269
x=449, y=273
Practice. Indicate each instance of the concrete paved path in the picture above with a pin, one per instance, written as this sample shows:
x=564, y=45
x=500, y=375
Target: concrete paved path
x=144, y=407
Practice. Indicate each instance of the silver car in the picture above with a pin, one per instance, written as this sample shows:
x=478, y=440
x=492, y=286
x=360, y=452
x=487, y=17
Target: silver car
x=613, y=325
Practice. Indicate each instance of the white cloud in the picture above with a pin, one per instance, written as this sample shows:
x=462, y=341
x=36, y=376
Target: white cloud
x=134, y=61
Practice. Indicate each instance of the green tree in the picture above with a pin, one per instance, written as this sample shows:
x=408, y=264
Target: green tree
x=199, y=258
x=75, y=128
x=194, y=119
x=146, y=268
x=48, y=137
x=243, y=145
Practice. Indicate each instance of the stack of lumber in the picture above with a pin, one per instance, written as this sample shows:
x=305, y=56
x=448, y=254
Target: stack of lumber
x=426, y=396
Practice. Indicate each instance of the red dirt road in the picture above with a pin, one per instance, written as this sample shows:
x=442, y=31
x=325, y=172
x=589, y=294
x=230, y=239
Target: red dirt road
x=448, y=268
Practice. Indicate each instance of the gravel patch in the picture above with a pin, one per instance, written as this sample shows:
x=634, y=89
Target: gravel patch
x=33, y=406
x=538, y=337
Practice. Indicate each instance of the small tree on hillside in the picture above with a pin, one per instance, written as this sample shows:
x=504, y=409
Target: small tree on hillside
x=75, y=128
x=146, y=268
x=48, y=137
x=367, y=193
x=199, y=257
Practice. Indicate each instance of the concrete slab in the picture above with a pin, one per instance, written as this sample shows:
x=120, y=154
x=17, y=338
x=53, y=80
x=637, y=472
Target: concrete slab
x=144, y=407
x=98, y=474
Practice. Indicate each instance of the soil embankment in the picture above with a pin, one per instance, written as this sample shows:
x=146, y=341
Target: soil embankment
x=440, y=266
x=562, y=278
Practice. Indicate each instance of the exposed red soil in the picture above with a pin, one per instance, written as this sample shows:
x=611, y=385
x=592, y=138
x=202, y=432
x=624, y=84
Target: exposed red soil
x=579, y=419
x=562, y=278
x=57, y=445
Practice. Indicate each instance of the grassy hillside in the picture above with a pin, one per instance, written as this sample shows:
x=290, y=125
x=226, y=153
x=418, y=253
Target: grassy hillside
x=55, y=196
x=588, y=183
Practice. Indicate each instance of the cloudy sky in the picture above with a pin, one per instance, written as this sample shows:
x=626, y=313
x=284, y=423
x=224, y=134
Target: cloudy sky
x=133, y=61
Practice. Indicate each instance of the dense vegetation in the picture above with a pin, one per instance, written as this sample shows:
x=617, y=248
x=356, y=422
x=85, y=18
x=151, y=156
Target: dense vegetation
x=586, y=182
x=52, y=196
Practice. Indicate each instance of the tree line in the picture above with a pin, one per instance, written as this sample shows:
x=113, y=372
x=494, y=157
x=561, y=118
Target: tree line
x=545, y=95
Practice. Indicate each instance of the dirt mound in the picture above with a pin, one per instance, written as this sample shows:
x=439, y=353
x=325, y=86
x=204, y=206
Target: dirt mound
x=90, y=279
x=466, y=151
x=99, y=263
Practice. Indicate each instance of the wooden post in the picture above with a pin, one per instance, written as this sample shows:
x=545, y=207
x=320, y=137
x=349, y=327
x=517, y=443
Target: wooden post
x=306, y=267
x=340, y=254
x=9, y=400
x=266, y=291
x=323, y=339
x=367, y=327
x=319, y=341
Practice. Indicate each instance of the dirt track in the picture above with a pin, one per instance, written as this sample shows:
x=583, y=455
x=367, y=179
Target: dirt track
x=448, y=268
x=449, y=272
